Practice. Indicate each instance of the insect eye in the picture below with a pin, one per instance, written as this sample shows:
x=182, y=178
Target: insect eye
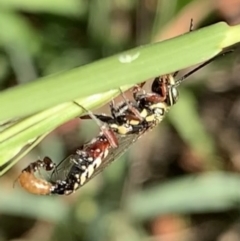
x=173, y=95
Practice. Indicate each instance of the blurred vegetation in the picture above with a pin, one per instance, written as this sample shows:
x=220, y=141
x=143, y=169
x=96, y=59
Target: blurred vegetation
x=179, y=182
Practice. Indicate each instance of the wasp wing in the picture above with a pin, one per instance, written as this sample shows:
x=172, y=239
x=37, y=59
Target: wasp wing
x=62, y=169
x=125, y=141
x=114, y=153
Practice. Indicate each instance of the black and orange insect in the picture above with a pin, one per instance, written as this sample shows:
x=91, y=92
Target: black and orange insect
x=128, y=122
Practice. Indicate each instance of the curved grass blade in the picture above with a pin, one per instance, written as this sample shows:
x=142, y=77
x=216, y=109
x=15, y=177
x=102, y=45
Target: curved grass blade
x=216, y=191
x=129, y=67
x=18, y=135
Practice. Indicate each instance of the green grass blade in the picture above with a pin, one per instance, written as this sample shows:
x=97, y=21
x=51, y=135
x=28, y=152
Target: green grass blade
x=17, y=136
x=131, y=67
x=195, y=194
x=15, y=156
x=189, y=126
x=22, y=204
x=63, y=7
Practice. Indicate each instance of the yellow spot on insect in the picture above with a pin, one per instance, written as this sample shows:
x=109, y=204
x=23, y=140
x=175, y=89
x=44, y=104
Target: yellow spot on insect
x=150, y=118
x=160, y=105
x=134, y=122
x=123, y=130
x=90, y=170
x=76, y=186
x=144, y=113
x=83, y=178
x=67, y=192
x=98, y=161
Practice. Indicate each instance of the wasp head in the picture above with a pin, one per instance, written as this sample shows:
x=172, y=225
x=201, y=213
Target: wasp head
x=165, y=87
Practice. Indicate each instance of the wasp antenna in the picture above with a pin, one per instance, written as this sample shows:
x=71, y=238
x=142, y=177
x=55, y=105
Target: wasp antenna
x=93, y=117
x=90, y=113
x=123, y=95
x=112, y=103
x=180, y=80
x=14, y=183
x=191, y=27
x=190, y=30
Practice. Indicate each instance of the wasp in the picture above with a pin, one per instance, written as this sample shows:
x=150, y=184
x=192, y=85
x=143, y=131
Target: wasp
x=148, y=109
x=128, y=122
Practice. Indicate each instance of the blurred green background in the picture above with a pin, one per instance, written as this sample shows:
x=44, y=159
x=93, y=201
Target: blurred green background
x=179, y=182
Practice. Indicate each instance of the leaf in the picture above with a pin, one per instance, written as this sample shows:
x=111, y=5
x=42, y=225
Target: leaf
x=193, y=194
x=130, y=67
